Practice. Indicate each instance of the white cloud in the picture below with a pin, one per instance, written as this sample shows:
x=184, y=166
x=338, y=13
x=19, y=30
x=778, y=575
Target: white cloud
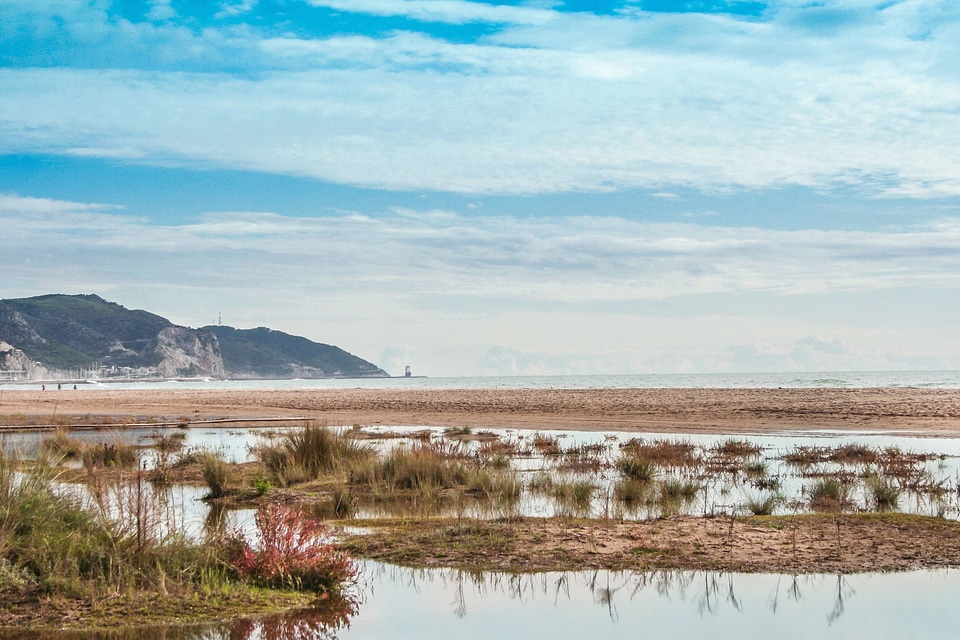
x=451, y=293
x=448, y=11
x=576, y=103
x=236, y=8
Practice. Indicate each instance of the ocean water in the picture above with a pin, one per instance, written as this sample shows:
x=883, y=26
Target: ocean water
x=831, y=379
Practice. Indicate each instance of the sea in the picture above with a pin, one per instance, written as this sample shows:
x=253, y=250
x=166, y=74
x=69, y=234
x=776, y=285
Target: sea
x=831, y=379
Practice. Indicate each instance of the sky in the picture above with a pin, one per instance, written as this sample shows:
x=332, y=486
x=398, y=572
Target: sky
x=487, y=188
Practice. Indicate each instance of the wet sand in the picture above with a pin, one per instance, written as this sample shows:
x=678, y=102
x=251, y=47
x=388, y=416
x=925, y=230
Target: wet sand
x=932, y=412
x=821, y=543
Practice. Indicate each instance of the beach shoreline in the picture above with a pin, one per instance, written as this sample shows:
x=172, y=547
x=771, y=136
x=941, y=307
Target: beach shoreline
x=904, y=411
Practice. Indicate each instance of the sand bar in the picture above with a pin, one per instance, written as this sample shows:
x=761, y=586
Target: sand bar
x=932, y=412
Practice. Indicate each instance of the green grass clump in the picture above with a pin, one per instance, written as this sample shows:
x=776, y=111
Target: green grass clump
x=496, y=485
x=636, y=469
x=115, y=455
x=631, y=492
x=677, y=490
x=541, y=483
x=62, y=445
x=117, y=548
x=216, y=474
x=574, y=494
x=884, y=493
x=764, y=504
x=304, y=453
x=420, y=469
x=828, y=494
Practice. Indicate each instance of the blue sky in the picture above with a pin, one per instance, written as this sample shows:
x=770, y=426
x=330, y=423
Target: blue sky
x=493, y=188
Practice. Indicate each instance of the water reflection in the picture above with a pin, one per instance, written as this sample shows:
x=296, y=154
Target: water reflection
x=669, y=604
x=395, y=602
x=320, y=623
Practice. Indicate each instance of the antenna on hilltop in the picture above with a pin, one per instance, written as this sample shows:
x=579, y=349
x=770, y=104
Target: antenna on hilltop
x=219, y=319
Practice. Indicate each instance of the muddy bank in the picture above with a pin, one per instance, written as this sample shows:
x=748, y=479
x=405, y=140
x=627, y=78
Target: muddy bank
x=849, y=543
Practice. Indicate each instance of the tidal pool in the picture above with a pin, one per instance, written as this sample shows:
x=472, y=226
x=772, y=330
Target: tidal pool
x=426, y=604
x=931, y=488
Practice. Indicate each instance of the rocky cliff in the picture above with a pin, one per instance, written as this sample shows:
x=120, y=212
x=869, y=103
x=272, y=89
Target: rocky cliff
x=186, y=352
x=18, y=364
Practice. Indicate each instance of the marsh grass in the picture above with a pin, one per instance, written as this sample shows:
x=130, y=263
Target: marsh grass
x=541, y=483
x=216, y=475
x=546, y=445
x=678, y=490
x=419, y=468
x=63, y=547
x=574, y=495
x=60, y=444
x=496, y=486
x=736, y=448
x=632, y=492
x=884, y=494
x=636, y=469
x=113, y=455
x=584, y=458
x=763, y=504
x=307, y=452
x=664, y=453
x=828, y=494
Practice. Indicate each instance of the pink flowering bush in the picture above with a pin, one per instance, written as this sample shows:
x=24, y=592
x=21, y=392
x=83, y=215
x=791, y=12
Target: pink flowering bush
x=294, y=551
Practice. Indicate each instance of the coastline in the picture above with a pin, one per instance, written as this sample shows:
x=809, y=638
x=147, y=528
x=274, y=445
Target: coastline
x=905, y=411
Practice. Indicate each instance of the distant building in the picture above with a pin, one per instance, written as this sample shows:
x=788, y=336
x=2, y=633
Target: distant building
x=406, y=372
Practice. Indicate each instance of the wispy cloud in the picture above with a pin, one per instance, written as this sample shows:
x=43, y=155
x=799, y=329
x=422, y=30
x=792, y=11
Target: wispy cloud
x=577, y=102
x=570, y=260
x=448, y=11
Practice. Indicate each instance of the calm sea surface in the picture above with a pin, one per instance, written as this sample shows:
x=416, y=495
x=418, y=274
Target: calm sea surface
x=834, y=379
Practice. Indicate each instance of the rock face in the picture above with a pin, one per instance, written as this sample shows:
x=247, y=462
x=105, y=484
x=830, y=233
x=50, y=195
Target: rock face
x=186, y=352
x=18, y=364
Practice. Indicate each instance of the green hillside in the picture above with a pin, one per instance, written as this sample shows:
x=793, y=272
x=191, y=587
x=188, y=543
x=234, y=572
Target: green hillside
x=77, y=331
x=266, y=353
x=65, y=331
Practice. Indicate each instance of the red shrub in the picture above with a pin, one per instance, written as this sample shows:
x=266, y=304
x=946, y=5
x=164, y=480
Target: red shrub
x=293, y=551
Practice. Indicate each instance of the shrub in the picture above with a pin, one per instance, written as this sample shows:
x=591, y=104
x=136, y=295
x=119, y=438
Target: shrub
x=294, y=551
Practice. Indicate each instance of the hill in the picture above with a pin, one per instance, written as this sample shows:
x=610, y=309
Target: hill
x=266, y=353
x=86, y=336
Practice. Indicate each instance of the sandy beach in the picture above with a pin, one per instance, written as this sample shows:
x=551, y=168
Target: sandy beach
x=932, y=412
